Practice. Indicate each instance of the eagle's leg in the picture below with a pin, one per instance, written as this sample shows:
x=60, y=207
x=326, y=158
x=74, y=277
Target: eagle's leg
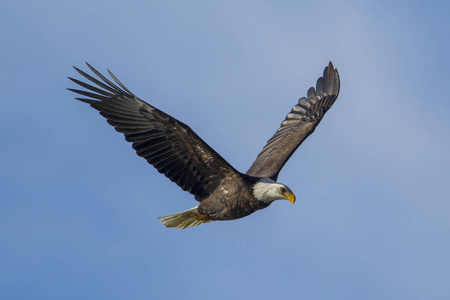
x=202, y=217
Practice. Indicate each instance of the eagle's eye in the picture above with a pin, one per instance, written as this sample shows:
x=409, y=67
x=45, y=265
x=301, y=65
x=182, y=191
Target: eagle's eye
x=283, y=190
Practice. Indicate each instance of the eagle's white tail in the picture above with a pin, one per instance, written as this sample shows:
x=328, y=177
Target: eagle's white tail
x=184, y=219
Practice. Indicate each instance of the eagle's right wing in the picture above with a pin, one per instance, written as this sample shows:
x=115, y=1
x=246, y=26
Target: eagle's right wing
x=298, y=125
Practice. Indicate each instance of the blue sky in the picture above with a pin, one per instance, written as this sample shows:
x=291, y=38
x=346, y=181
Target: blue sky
x=78, y=208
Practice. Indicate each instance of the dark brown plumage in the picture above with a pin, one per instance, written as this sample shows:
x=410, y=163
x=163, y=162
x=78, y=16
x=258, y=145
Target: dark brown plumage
x=181, y=155
x=298, y=125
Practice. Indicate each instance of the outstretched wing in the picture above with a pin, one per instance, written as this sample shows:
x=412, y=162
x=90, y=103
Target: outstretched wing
x=166, y=143
x=298, y=125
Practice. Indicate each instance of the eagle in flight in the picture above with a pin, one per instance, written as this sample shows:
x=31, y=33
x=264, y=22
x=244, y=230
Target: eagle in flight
x=176, y=151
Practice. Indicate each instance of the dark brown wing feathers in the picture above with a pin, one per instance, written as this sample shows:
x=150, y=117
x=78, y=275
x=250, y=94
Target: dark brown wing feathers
x=166, y=143
x=180, y=154
x=298, y=125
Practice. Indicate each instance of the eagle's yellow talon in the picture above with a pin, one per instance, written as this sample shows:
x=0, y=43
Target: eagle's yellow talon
x=201, y=217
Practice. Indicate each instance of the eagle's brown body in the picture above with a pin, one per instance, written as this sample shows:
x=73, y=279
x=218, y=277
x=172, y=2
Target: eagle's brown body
x=232, y=200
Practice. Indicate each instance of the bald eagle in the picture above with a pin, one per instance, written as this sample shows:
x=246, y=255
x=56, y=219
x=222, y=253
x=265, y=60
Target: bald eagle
x=176, y=151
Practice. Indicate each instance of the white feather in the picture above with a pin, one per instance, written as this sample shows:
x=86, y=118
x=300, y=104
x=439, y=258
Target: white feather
x=183, y=219
x=268, y=190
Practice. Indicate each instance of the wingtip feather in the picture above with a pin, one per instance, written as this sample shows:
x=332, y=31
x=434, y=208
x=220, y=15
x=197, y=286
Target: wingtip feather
x=331, y=82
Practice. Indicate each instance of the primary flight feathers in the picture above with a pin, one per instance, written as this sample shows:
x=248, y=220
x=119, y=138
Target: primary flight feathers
x=298, y=125
x=179, y=153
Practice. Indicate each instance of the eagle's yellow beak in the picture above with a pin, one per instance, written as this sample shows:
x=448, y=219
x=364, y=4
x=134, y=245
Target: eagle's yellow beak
x=290, y=197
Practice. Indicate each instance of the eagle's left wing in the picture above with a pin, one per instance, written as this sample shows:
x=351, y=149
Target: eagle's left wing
x=171, y=146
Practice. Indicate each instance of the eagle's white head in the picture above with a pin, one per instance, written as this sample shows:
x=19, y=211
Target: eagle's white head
x=267, y=190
